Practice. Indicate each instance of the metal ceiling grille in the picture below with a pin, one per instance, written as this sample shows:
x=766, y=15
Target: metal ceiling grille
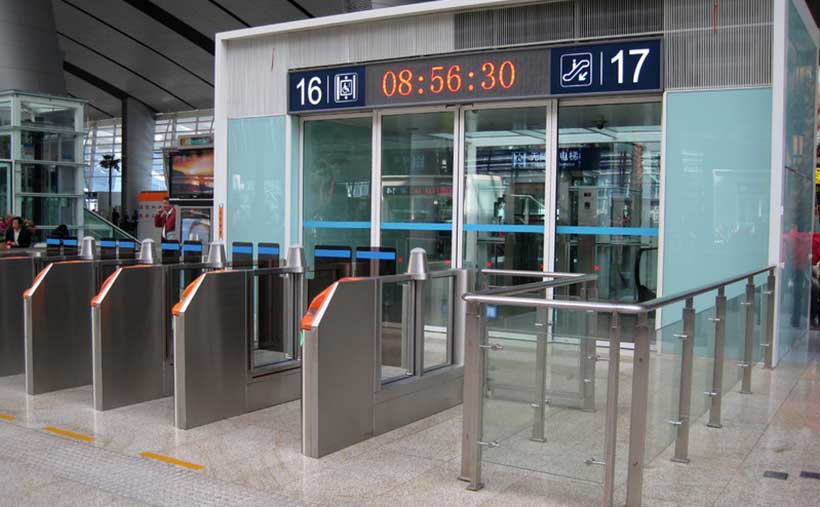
x=705, y=46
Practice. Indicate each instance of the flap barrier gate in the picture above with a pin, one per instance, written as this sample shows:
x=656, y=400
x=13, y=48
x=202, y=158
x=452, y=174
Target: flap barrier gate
x=231, y=354
x=16, y=275
x=380, y=353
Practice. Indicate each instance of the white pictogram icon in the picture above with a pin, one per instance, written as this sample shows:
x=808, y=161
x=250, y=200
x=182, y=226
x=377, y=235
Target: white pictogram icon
x=576, y=69
x=346, y=87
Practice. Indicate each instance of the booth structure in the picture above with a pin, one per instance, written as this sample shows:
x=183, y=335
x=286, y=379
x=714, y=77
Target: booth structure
x=660, y=148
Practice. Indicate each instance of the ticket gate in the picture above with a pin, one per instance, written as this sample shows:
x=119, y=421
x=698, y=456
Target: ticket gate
x=352, y=388
x=18, y=268
x=56, y=321
x=131, y=327
x=227, y=359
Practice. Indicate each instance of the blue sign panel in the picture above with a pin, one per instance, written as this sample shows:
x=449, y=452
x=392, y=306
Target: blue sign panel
x=321, y=89
x=606, y=68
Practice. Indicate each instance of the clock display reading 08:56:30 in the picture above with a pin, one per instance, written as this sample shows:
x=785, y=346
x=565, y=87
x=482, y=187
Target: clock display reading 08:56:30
x=459, y=77
x=439, y=79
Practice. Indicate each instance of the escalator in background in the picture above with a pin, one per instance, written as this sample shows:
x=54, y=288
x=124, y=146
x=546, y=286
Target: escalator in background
x=96, y=226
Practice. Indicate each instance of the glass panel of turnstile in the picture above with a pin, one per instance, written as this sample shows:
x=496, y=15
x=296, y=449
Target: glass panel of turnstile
x=331, y=262
x=274, y=306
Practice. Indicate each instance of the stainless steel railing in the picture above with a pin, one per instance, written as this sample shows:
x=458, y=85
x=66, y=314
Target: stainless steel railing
x=477, y=347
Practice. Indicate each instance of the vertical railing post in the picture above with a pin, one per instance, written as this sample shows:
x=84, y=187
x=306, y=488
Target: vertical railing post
x=687, y=358
x=611, y=435
x=637, y=416
x=768, y=337
x=474, y=386
x=746, y=383
x=540, y=375
x=717, y=370
x=588, y=351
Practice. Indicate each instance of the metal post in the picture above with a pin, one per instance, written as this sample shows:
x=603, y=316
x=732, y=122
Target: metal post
x=540, y=377
x=637, y=416
x=687, y=358
x=588, y=352
x=717, y=370
x=746, y=384
x=768, y=337
x=611, y=436
x=474, y=378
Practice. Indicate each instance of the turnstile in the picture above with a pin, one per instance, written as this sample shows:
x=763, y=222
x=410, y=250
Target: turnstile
x=57, y=324
x=349, y=390
x=16, y=275
x=131, y=328
x=217, y=324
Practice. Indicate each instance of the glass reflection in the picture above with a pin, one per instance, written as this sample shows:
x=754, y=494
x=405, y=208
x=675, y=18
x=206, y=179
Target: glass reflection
x=504, y=181
x=608, y=196
x=417, y=186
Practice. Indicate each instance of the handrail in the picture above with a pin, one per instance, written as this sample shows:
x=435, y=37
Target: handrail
x=528, y=274
x=629, y=309
x=529, y=287
x=479, y=346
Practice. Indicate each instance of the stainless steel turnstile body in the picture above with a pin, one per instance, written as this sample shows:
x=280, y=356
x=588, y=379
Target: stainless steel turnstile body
x=214, y=377
x=345, y=399
x=128, y=338
x=16, y=275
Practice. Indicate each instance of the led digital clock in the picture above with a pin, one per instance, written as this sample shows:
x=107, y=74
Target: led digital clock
x=459, y=78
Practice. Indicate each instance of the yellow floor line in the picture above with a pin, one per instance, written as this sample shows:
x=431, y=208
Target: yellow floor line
x=173, y=461
x=70, y=434
x=7, y=417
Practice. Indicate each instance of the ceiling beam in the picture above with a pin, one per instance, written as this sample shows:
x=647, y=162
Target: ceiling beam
x=173, y=23
x=137, y=41
x=92, y=106
x=229, y=13
x=100, y=83
x=301, y=9
x=128, y=69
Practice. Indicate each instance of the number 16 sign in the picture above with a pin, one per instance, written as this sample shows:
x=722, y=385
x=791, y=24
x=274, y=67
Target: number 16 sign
x=606, y=68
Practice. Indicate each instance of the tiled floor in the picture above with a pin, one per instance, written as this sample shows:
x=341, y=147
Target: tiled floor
x=776, y=428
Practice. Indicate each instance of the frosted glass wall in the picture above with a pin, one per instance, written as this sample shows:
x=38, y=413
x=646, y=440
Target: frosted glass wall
x=718, y=158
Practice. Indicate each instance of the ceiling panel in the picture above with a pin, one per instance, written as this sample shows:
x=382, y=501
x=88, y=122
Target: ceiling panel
x=140, y=26
x=96, y=97
x=82, y=29
x=108, y=71
x=262, y=12
x=202, y=15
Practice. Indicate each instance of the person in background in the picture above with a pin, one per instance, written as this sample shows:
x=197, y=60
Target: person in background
x=61, y=231
x=18, y=236
x=115, y=216
x=5, y=224
x=166, y=218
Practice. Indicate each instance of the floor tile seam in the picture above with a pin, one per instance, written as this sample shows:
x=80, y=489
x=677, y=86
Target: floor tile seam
x=419, y=455
x=495, y=495
x=737, y=474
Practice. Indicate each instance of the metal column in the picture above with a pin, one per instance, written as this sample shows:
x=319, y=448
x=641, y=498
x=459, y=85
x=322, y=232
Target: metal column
x=474, y=377
x=540, y=376
x=717, y=370
x=640, y=401
x=768, y=337
x=746, y=385
x=611, y=435
x=687, y=358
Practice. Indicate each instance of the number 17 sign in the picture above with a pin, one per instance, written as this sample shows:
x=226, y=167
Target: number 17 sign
x=606, y=68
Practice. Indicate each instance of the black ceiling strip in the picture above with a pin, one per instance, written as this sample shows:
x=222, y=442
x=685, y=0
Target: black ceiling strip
x=92, y=106
x=173, y=23
x=146, y=46
x=229, y=13
x=97, y=82
x=132, y=71
x=301, y=9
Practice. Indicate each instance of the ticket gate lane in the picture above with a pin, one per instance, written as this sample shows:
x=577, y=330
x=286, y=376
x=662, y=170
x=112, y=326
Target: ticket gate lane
x=57, y=325
x=16, y=275
x=214, y=375
x=129, y=338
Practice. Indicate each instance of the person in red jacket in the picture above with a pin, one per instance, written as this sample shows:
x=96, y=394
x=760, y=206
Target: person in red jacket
x=166, y=218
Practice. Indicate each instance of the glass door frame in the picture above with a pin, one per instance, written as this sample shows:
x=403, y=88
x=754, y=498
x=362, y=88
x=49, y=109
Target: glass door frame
x=301, y=147
x=551, y=138
x=376, y=210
